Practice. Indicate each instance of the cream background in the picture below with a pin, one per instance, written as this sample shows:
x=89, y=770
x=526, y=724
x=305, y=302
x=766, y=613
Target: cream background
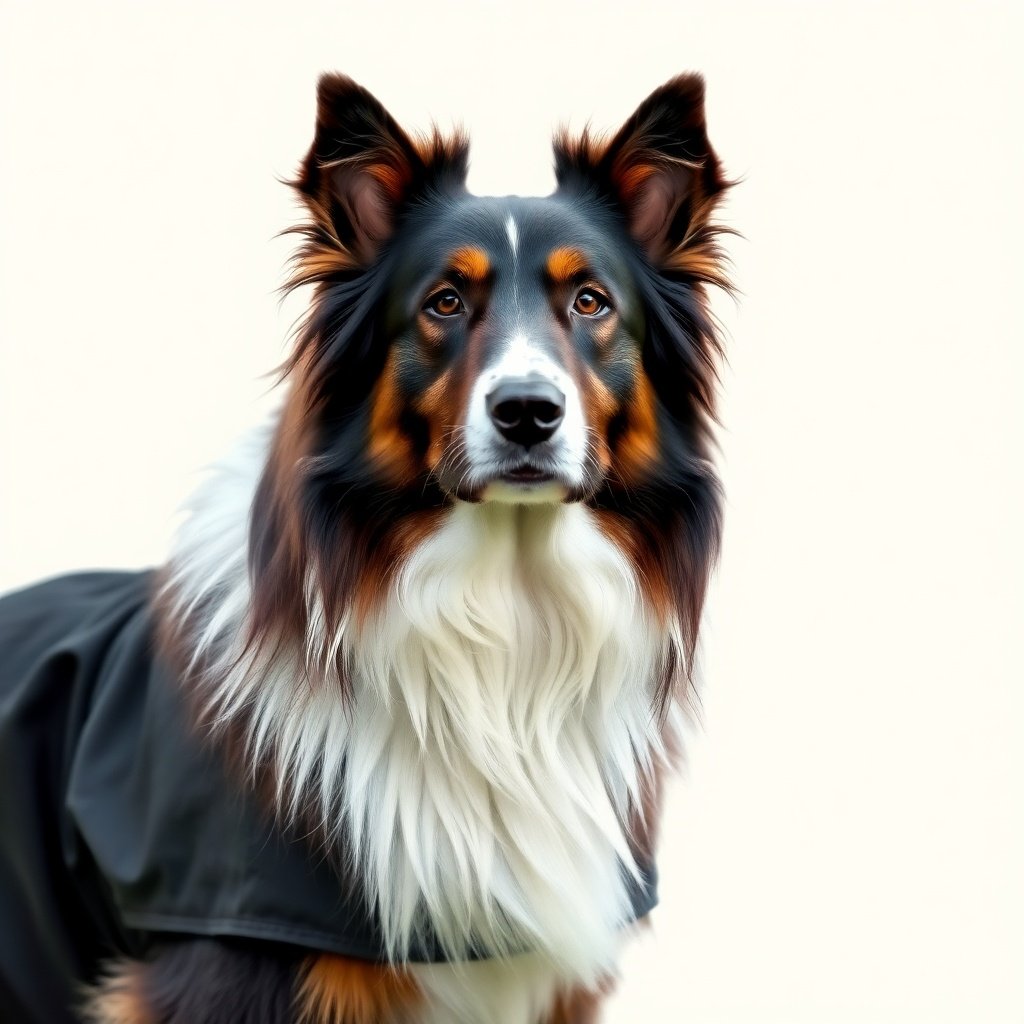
x=849, y=842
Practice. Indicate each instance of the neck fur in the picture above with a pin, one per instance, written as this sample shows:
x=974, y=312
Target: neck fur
x=501, y=729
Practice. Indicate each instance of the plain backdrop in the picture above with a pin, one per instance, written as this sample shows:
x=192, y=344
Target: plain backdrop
x=848, y=841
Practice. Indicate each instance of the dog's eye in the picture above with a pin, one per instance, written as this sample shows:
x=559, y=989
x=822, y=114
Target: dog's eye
x=444, y=303
x=591, y=303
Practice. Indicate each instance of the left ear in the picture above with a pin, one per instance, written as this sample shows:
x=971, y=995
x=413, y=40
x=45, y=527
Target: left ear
x=360, y=173
x=659, y=169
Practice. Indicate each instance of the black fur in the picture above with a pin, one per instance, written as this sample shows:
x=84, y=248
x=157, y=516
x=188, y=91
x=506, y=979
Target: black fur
x=210, y=981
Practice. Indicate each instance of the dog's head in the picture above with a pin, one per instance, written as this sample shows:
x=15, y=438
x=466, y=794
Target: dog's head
x=475, y=349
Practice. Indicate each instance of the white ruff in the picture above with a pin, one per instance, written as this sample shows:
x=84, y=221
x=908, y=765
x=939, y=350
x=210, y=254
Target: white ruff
x=500, y=730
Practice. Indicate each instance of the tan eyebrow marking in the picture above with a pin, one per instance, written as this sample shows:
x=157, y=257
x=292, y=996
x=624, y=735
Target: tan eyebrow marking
x=471, y=262
x=565, y=263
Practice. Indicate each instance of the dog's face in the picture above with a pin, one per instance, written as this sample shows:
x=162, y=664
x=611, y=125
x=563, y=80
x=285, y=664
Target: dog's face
x=472, y=349
x=515, y=372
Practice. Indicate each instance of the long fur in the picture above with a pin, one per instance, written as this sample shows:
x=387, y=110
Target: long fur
x=501, y=727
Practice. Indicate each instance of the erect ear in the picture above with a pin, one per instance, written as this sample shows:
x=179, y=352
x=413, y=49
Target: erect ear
x=659, y=168
x=363, y=168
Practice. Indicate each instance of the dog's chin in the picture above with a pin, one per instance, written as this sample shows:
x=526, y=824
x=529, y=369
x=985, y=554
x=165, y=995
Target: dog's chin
x=526, y=489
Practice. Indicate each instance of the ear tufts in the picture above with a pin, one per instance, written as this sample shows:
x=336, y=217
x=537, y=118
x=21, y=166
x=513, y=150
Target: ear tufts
x=361, y=171
x=661, y=171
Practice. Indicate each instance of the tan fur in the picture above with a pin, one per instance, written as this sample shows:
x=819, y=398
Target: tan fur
x=565, y=263
x=118, y=998
x=579, y=1006
x=471, y=262
x=338, y=990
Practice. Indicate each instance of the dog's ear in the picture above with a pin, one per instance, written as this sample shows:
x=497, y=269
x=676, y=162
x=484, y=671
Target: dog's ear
x=659, y=169
x=362, y=169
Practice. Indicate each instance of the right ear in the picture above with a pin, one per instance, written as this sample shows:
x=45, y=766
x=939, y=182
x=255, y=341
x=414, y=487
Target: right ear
x=359, y=173
x=662, y=173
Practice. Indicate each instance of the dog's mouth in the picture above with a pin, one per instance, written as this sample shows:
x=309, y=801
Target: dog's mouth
x=534, y=477
x=527, y=481
x=526, y=473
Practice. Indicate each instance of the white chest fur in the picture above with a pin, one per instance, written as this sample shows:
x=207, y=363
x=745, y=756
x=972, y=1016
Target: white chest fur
x=502, y=705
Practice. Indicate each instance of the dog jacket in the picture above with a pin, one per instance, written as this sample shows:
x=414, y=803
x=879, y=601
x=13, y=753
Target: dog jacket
x=118, y=825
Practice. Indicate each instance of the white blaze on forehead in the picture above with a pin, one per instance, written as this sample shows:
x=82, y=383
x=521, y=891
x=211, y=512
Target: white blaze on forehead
x=512, y=230
x=513, y=234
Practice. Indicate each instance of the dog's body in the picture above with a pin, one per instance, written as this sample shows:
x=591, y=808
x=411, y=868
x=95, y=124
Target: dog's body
x=438, y=620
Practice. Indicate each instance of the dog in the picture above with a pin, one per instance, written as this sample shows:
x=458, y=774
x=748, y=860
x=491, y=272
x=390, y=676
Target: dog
x=383, y=742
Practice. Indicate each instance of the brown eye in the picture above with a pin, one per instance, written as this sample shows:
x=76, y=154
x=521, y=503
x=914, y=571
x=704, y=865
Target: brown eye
x=445, y=303
x=590, y=303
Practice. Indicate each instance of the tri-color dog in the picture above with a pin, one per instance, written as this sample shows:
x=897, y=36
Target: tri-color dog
x=382, y=743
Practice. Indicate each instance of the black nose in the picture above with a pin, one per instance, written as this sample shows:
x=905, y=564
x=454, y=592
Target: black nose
x=526, y=410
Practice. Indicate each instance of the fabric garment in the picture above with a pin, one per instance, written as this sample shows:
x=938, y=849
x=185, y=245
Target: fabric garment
x=118, y=825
